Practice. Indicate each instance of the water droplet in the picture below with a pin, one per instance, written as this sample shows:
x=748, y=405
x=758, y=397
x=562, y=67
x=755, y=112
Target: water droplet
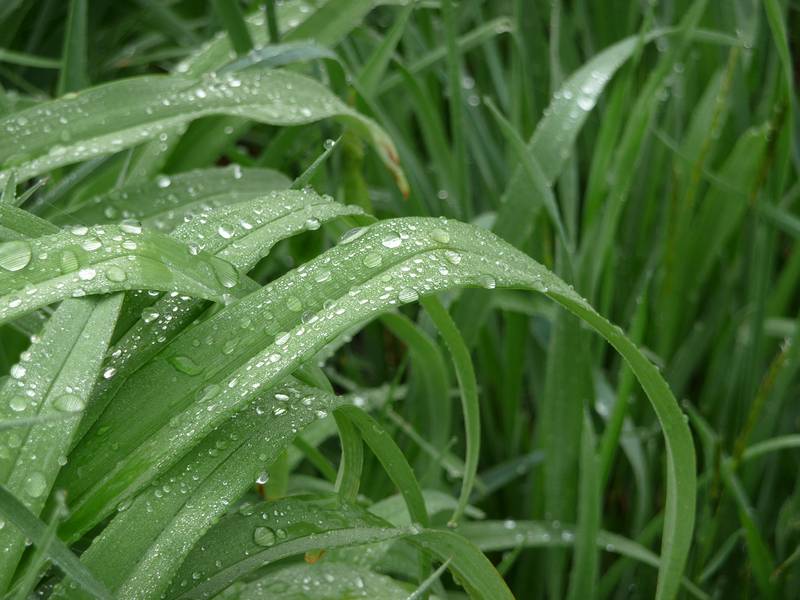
x=109, y=373
x=149, y=315
x=353, y=234
x=264, y=536
x=18, y=403
x=131, y=226
x=15, y=255
x=488, y=282
x=391, y=240
x=87, y=274
x=79, y=230
x=114, y=273
x=322, y=276
x=294, y=304
x=452, y=257
x=18, y=371
x=440, y=236
x=372, y=260
x=69, y=262
x=163, y=181
x=312, y=224
x=226, y=273
x=225, y=231
x=408, y=295
x=185, y=364
x=69, y=403
x=91, y=244
x=281, y=338
x=35, y=484
x=262, y=478
x=208, y=392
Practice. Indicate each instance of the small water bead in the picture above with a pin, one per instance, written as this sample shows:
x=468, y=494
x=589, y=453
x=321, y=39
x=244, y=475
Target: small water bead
x=69, y=262
x=15, y=302
x=35, y=484
x=230, y=346
x=18, y=403
x=452, y=257
x=15, y=256
x=91, y=244
x=225, y=231
x=372, y=260
x=163, y=181
x=129, y=245
x=225, y=273
x=294, y=304
x=186, y=365
x=312, y=224
x=131, y=226
x=115, y=274
x=263, y=536
x=79, y=230
x=149, y=315
x=440, y=236
x=352, y=235
x=109, y=372
x=322, y=276
x=69, y=403
x=329, y=144
x=488, y=282
x=262, y=478
x=586, y=103
x=18, y=371
x=281, y=338
x=391, y=240
x=87, y=274
x=408, y=295
x=208, y=392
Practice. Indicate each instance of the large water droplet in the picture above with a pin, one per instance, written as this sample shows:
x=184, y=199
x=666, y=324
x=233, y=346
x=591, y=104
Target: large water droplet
x=440, y=235
x=116, y=274
x=264, y=536
x=35, y=484
x=185, y=364
x=15, y=255
x=372, y=260
x=69, y=403
x=18, y=403
x=353, y=234
x=391, y=240
x=69, y=262
x=226, y=273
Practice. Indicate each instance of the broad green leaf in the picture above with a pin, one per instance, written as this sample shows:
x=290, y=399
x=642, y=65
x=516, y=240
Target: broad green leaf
x=242, y=543
x=379, y=267
x=115, y=116
x=242, y=234
x=326, y=580
x=145, y=543
x=102, y=259
x=54, y=380
x=168, y=201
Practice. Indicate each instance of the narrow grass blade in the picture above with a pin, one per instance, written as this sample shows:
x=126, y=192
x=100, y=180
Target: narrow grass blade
x=74, y=62
x=230, y=13
x=465, y=373
x=33, y=529
x=55, y=381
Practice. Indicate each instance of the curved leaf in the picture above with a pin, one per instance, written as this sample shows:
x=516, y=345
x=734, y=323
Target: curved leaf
x=114, y=116
x=98, y=260
x=168, y=201
x=382, y=266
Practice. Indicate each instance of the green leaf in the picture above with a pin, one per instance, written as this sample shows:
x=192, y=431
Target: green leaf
x=74, y=63
x=124, y=113
x=329, y=581
x=55, y=380
x=308, y=309
x=137, y=553
x=33, y=529
x=102, y=259
x=168, y=201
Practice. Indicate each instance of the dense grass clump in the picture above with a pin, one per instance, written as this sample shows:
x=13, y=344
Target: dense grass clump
x=399, y=299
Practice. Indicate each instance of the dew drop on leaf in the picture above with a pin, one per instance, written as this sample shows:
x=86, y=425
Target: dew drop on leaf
x=17, y=403
x=69, y=262
x=35, y=484
x=372, y=260
x=264, y=536
x=15, y=255
x=352, y=235
x=391, y=240
x=440, y=235
x=185, y=364
x=69, y=403
x=115, y=274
